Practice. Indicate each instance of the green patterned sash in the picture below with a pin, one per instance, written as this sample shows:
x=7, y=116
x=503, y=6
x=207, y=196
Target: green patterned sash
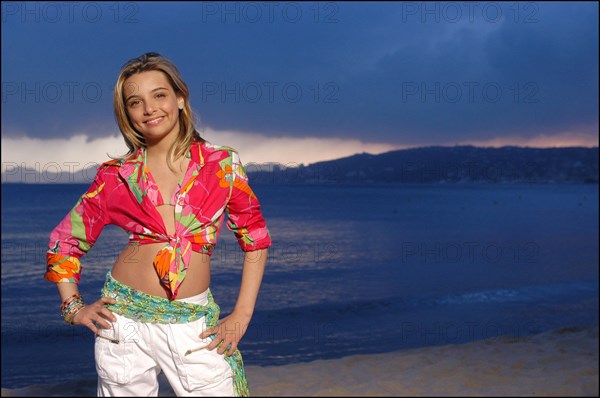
x=143, y=307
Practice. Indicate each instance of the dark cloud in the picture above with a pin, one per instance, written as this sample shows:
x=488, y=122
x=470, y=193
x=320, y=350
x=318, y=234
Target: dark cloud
x=397, y=72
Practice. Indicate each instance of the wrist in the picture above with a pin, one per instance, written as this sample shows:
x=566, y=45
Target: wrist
x=244, y=312
x=70, y=307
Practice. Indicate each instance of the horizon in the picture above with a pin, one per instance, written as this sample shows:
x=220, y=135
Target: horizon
x=53, y=173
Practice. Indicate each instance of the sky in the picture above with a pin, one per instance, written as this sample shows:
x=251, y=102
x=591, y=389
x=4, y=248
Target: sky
x=299, y=82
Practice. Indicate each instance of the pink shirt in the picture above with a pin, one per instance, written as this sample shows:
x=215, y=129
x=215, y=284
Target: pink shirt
x=124, y=193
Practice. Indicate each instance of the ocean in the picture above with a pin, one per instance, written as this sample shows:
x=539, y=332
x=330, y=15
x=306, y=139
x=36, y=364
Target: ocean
x=353, y=269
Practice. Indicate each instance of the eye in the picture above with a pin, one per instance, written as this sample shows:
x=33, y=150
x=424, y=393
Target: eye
x=133, y=103
x=160, y=95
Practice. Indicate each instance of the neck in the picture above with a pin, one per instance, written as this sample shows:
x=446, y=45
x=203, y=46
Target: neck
x=159, y=150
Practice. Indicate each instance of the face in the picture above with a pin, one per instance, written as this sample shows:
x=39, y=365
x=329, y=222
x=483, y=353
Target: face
x=152, y=106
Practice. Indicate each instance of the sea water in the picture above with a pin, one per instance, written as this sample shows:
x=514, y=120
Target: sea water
x=353, y=269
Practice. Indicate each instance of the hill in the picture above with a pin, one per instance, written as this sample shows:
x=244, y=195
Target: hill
x=438, y=164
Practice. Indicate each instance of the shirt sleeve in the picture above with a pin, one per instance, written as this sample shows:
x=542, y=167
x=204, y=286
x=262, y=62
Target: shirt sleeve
x=245, y=218
x=76, y=234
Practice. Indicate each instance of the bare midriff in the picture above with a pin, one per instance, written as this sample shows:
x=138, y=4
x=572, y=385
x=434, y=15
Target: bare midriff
x=134, y=266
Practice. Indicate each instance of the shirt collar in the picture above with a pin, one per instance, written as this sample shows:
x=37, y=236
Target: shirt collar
x=131, y=170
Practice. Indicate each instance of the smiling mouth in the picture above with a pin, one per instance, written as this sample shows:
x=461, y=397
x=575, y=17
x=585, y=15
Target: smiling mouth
x=154, y=122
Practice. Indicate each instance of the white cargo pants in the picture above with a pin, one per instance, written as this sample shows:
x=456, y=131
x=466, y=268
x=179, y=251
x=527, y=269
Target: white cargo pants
x=131, y=367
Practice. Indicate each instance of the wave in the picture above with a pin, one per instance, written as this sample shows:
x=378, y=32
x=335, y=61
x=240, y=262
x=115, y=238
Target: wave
x=521, y=294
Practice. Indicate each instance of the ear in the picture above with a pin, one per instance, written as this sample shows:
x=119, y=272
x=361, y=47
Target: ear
x=180, y=103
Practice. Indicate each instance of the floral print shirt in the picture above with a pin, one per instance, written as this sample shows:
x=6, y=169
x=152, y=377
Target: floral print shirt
x=124, y=193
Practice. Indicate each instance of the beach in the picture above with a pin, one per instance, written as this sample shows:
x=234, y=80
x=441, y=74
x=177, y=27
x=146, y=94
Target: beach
x=560, y=362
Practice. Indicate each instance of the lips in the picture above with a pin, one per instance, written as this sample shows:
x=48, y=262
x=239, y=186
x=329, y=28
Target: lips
x=155, y=121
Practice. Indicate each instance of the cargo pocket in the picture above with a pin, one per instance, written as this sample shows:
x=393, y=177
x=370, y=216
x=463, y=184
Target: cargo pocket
x=201, y=368
x=114, y=361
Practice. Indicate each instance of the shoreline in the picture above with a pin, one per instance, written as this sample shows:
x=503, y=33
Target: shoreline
x=559, y=362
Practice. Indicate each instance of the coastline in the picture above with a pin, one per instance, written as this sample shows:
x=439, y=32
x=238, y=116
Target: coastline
x=560, y=362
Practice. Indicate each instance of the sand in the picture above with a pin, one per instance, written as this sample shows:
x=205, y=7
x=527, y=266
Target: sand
x=562, y=362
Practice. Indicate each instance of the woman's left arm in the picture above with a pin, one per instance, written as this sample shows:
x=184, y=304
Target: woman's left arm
x=248, y=224
x=230, y=329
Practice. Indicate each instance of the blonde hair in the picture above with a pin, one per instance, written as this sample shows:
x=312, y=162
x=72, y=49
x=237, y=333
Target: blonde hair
x=187, y=131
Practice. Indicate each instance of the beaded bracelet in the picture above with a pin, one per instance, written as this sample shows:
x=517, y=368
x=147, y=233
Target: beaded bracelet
x=71, y=307
x=69, y=317
x=68, y=300
x=68, y=303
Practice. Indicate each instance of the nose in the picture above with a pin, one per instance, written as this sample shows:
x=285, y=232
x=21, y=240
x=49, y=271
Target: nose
x=149, y=108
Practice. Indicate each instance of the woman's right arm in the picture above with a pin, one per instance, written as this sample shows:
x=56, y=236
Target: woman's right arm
x=69, y=241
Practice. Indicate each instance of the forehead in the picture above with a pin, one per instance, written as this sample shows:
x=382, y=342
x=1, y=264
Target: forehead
x=145, y=82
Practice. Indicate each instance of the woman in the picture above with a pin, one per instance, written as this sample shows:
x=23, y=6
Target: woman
x=171, y=193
